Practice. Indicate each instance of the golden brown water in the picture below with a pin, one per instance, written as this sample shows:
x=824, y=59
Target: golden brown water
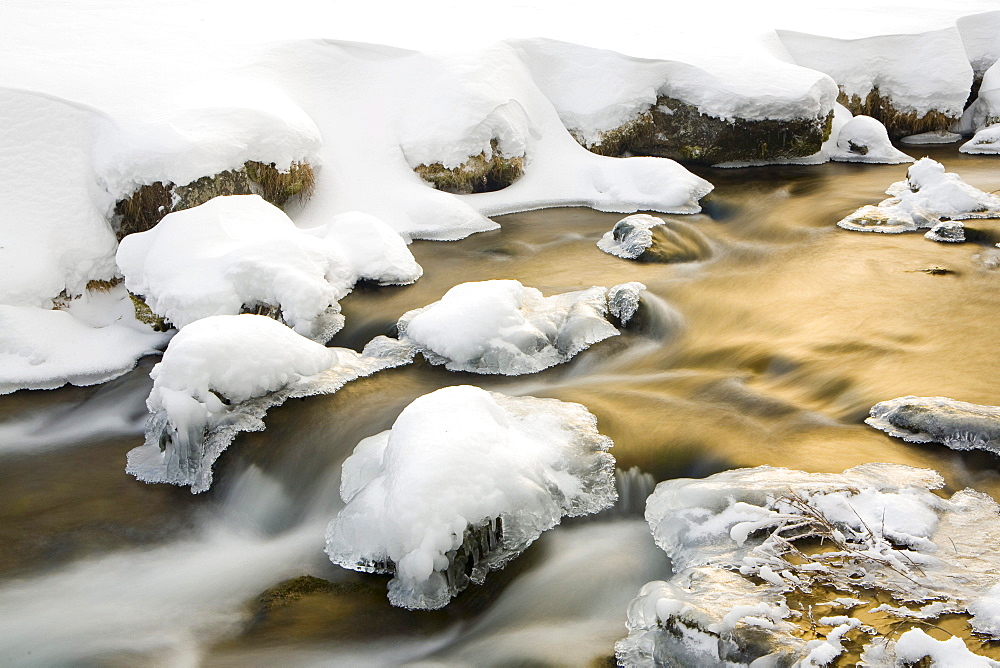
x=792, y=329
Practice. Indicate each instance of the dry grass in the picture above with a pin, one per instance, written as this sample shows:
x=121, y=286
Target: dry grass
x=899, y=124
x=145, y=314
x=479, y=174
x=143, y=209
x=278, y=187
x=631, y=137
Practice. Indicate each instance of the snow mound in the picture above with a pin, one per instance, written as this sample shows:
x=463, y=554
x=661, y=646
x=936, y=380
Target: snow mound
x=503, y=327
x=985, y=142
x=463, y=482
x=915, y=646
x=42, y=349
x=218, y=377
x=239, y=252
x=743, y=541
x=956, y=424
x=928, y=195
x=864, y=139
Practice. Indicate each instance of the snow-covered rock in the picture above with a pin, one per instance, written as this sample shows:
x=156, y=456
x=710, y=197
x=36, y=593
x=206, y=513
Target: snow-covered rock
x=923, y=200
x=463, y=482
x=985, y=141
x=503, y=327
x=947, y=231
x=956, y=424
x=653, y=239
x=985, y=110
x=239, y=252
x=743, y=541
x=95, y=339
x=864, y=139
x=218, y=377
x=888, y=77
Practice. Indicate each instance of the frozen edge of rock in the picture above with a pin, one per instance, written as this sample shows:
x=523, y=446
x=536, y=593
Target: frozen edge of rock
x=505, y=470
x=956, y=424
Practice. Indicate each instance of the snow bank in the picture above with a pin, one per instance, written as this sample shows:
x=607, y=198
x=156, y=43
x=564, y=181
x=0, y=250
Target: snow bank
x=218, y=377
x=864, y=139
x=917, y=73
x=239, y=252
x=503, y=327
x=741, y=541
x=956, y=424
x=41, y=349
x=928, y=195
x=981, y=37
x=463, y=482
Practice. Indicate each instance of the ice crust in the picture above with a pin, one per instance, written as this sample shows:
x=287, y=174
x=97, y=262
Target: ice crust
x=631, y=236
x=218, y=377
x=503, y=327
x=864, y=139
x=238, y=252
x=927, y=196
x=956, y=424
x=727, y=537
x=463, y=482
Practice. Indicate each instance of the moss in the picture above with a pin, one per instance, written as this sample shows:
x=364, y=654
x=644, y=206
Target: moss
x=898, y=123
x=479, y=174
x=104, y=286
x=675, y=129
x=144, y=314
x=144, y=208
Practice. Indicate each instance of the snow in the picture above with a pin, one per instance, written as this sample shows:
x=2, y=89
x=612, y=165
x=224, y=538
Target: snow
x=981, y=37
x=928, y=195
x=456, y=462
x=503, y=327
x=895, y=64
x=956, y=424
x=239, y=251
x=915, y=645
x=891, y=533
x=864, y=139
x=985, y=110
x=42, y=349
x=219, y=376
x=985, y=141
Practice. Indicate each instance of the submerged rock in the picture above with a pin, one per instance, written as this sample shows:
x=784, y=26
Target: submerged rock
x=463, y=482
x=144, y=208
x=675, y=129
x=218, y=377
x=956, y=424
x=503, y=327
x=653, y=239
x=767, y=558
x=928, y=196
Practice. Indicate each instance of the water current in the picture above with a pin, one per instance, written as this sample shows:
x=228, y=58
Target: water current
x=768, y=348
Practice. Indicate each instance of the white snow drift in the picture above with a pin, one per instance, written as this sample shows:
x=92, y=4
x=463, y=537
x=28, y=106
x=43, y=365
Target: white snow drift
x=465, y=479
x=236, y=252
x=889, y=534
x=927, y=197
x=218, y=377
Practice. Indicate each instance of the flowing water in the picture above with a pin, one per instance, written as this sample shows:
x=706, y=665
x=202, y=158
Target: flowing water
x=769, y=348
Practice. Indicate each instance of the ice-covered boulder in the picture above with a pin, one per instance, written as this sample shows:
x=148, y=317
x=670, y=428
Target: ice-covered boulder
x=503, y=327
x=239, y=253
x=654, y=239
x=948, y=231
x=956, y=424
x=864, y=139
x=218, y=377
x=761, y=554
x=463, y=482
x=927, y=196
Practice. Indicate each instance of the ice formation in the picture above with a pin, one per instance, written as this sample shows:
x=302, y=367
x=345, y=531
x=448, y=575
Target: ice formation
x=653, y=239
x=463, y=482
x=956, y=424
x=864, y=139
x=932, y=137
x=218, y=377
x=927, y=196
x=503, y=327
x=239, y=252
x=743, y=541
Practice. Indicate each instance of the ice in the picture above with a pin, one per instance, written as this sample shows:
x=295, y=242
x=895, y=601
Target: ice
x=623, y=300
x=239, y=252
x=927, y=196
x=741, y=541
x=956, y=424
x=631, y=236
x=932, y=137
x=503, y=327
x=948, y=231
x=463, y=482
x=218, y=377
x=864, y=139
x=86, y=345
